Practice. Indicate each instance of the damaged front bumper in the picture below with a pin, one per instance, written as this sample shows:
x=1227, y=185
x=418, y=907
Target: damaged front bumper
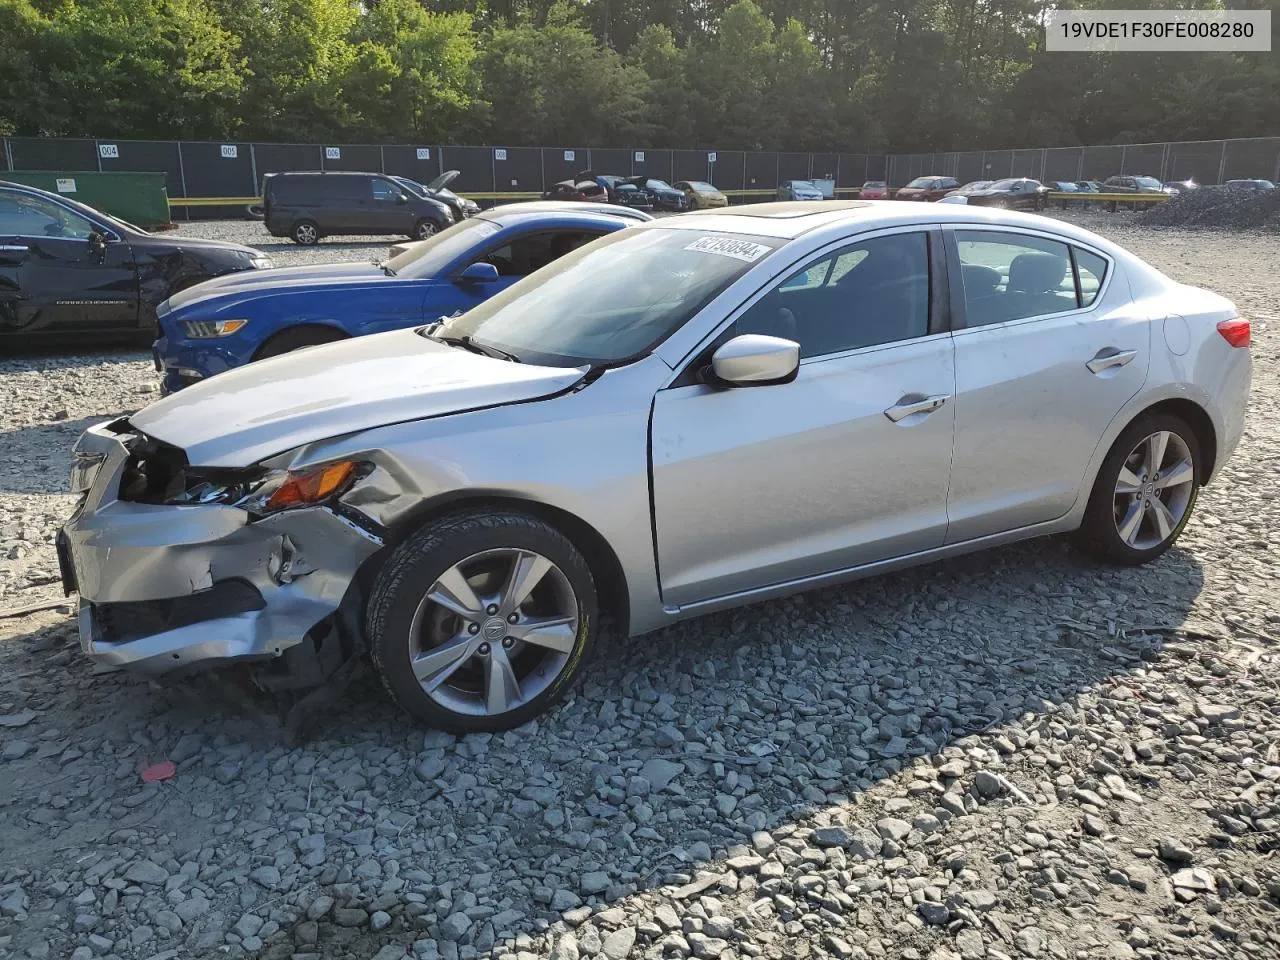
x=166, y=587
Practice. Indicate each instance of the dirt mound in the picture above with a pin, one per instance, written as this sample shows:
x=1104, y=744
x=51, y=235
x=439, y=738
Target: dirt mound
x=1225, y=208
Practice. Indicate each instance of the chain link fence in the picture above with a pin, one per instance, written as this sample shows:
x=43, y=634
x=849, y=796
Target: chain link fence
x=214, y=170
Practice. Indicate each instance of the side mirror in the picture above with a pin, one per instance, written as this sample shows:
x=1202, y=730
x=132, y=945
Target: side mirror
x=97, y=241
x=755, y=360
x=479, y=272
x=401, y=198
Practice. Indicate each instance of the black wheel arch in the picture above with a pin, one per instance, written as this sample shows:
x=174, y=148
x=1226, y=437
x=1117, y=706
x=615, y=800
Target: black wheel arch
x=297, y=329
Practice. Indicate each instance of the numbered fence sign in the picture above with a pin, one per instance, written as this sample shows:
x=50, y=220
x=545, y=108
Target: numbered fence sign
x=229, y=151
x=108, y=151
x=333, y=153
x=499, y=154
x=424, y=153
x=568, y=155
x=639, y=156
x=711, y=157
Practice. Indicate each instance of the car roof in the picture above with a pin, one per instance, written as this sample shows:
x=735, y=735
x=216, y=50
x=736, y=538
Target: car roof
x=550, y=213
x=786, y=221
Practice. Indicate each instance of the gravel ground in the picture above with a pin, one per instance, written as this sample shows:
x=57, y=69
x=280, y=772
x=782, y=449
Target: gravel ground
x=1013, y=754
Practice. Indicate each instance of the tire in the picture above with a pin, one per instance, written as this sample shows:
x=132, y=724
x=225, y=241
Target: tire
x=425, y=229
x=1105, y=520
x=289, y=340
x=305, y=233
x=476, y=554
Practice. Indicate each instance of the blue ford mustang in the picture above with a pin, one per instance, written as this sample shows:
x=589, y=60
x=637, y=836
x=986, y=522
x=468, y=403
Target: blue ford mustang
x=230, y=321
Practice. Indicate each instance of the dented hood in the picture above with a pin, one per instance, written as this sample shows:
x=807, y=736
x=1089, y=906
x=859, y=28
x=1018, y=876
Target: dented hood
x=245, y=415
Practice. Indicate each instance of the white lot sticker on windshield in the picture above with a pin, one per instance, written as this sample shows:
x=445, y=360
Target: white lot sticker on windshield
x=738, y=249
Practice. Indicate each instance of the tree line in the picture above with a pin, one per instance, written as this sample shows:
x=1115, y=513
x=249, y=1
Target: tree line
x=859, y=75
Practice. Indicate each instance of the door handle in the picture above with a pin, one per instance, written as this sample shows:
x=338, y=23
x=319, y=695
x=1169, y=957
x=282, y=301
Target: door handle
x=13, y=248
x=915, y=403
x=1109, y=357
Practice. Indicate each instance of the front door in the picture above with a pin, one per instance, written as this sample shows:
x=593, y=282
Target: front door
x=59, y=271
x=846, y=465
x=390, y=210
x=1042, y=368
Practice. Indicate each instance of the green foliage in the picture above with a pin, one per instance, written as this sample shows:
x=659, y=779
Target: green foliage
x=851, y=75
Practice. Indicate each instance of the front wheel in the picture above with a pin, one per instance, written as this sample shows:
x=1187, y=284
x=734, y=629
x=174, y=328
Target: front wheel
x=425, y=230
x=1144, y=493
x=480, y=622
x=289, y=340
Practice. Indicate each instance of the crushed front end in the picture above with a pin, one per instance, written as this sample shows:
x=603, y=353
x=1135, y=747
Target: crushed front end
x=178, y=567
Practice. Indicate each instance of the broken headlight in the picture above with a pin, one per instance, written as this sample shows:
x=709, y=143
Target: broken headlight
x=268, y=491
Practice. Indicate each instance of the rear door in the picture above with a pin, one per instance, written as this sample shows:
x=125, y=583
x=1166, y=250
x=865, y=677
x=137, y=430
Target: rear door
x=61, y=271
x=1043, y=366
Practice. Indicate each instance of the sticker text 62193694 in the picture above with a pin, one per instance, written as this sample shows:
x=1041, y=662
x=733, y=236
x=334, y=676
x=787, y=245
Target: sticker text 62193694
x=738, y=249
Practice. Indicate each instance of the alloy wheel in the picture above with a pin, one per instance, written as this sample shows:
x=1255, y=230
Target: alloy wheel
x=493, y=632
x=426, y=229
x=1154, y=490
x=305, y=233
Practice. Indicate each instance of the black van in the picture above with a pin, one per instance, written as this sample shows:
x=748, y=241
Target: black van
x=308, y=205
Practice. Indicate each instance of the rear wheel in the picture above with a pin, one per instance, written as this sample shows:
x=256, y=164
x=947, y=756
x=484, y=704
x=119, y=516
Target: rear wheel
x=482, y=621
x=425, y=229
x=306, y=233
x=289, y=340
x=1144, y=493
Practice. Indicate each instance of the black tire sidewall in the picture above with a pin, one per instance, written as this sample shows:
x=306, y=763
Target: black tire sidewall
x=289, y=340
x=1098, y=532
x=418, y=562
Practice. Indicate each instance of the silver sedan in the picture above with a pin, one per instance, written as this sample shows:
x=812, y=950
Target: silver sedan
x=685, y=416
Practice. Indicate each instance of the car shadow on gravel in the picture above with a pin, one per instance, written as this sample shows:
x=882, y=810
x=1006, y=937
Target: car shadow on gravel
x=678, y=747
x=37, y=459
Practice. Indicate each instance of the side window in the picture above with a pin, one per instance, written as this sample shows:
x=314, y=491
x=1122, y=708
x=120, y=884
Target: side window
x=1092, y=270
x=24, y=215
x=867, y=293
x=1009, y=276
x=385, y=191
x=533, y=251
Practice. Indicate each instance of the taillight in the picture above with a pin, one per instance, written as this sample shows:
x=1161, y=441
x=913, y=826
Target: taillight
x=1236, y=332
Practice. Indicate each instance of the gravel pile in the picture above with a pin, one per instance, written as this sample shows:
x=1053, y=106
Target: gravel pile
x=1015, y=754
x=1218, y=207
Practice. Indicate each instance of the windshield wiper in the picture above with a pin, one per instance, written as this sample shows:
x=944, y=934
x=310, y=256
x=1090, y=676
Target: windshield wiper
x=382, y=265
x=467, y=343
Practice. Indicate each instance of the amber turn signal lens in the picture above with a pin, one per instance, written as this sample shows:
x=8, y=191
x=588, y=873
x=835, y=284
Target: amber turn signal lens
x=312, y=486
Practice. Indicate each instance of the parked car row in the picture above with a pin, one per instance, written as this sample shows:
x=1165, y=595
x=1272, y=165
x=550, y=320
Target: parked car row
x=549, y=420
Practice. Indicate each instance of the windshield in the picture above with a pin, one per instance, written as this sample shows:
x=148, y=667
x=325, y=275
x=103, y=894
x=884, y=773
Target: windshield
x=1147, y=181
x=701, y=187
x=874, y=183
x=430, y=257
x=804, y=185
x=658, y=185
x=412, y=185
x=1005, y=184
x=614, y=299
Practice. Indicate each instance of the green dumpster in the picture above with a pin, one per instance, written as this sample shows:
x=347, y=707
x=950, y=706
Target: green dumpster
x=139, y=198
